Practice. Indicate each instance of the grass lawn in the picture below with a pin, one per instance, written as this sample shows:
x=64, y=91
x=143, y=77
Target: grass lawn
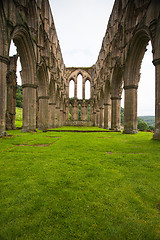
x=18, y=118
x=84, y=186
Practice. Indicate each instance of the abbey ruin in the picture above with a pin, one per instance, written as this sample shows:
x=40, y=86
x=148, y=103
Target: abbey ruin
x=46, y=80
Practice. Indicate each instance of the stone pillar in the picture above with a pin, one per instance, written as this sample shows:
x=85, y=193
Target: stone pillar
x=51, y=118
x=94, y=118
x=11, y=93
x=74, y=113
x=83, y=90
x=107, y=116
x=57, y=120
x=156, y=135
x=67, y=112
x=116, y=113
x=97, y=118
x=61, y=117
x=130, y=109
x=75, y=89
x=101, y=124
x=3, y=94
x=29, y=107
x=43, y=113
x=82, y=112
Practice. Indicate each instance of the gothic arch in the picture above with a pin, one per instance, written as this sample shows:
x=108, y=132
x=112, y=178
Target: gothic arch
x=25, y=49
x=132, y=77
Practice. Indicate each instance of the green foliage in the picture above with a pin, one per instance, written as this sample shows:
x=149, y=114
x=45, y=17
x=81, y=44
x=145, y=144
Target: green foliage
x=141, y=124
x=122, y=116
x=19, y=97
x=79, y=186
x=150, y=120
x=19, y=116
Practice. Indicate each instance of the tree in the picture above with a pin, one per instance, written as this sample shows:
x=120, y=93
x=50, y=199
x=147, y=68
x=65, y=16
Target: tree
x=19, y=97
x=142, y=125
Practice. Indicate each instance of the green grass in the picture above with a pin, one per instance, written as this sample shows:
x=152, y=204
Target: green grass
x=84, y=186
x=81, y=128
x=18, y=118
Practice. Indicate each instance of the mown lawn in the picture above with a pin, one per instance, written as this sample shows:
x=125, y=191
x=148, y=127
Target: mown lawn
x=18, y=118
x=94, y=186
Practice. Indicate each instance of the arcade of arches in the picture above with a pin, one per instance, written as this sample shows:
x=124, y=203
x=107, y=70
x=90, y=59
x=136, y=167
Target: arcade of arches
x=46, y=80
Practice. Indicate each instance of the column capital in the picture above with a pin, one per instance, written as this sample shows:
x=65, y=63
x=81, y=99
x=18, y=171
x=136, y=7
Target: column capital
x=30, y=85
x=4, y=60
x=130, y=87
x=156, y=61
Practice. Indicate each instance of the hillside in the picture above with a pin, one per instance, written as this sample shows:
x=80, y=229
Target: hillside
x=150, y=120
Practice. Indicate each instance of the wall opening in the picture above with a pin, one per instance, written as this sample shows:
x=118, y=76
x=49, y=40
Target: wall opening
x=87, y=89
x=16, y=83
x=71, y=89
x=146, y=88
x=79, y=86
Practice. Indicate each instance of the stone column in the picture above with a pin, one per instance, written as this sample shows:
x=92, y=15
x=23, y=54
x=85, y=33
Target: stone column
x=57, y=120
x=101, y=124
x=82, y=112
x=51, y=118
x=61, y=117
x=116, y=113
x=75, y=113
x=107, y=116
x=83, y=90
x=156, y=135
x=3, y=94
x=94, y=118
x=130, y=109
x=11, y=93
x=67, y=112
x=75, y=89
x=97, y=118
x=43, y=113
x=29, y=107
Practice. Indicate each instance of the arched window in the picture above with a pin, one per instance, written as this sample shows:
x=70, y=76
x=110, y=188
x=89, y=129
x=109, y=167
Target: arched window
x=87, y=90
x=79, y=86
x=71, y=89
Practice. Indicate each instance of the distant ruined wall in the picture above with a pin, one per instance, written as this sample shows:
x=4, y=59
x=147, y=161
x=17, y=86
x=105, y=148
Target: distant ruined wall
x=45, y=79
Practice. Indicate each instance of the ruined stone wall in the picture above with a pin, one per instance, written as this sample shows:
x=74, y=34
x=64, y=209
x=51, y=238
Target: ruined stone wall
x=31, y=26
x=132, y=24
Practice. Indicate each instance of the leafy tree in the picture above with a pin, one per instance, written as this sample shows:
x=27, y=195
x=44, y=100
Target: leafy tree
x=19, y=97
x=142, y=125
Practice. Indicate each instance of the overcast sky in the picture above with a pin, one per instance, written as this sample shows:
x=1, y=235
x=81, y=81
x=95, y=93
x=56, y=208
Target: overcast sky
x=81, y=26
